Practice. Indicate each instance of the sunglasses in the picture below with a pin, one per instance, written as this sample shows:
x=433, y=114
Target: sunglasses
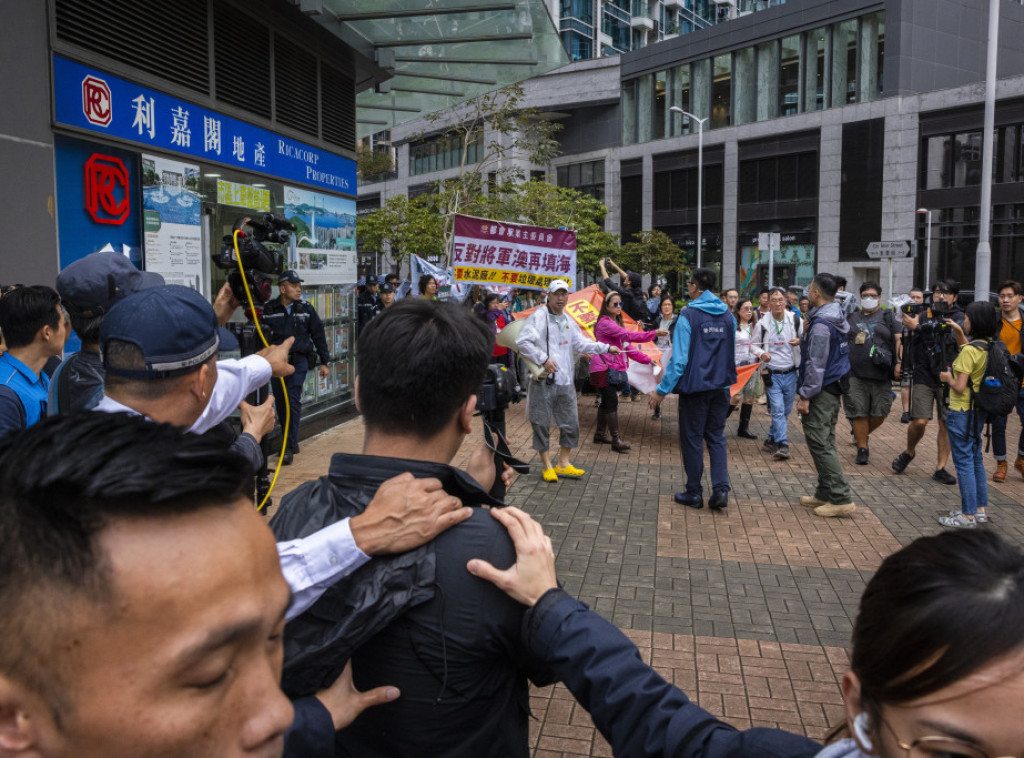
x=614, y=305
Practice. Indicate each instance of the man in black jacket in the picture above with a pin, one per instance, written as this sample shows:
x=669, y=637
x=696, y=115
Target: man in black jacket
x=932, y=345
x=291, y=316
x=633, y=303
x=418, y=621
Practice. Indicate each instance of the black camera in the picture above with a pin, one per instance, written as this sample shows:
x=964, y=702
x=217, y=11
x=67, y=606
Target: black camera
x=497, y=391
x=937, y=329
x=260, y=265
x=913, y=309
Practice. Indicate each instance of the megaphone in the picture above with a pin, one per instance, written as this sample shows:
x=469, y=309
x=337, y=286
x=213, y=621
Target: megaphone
x=507, y=338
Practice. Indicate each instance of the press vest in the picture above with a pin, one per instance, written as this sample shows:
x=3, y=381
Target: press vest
x=712, y=360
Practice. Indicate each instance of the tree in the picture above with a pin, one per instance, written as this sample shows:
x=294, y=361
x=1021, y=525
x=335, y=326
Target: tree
x=502, y=131
x=402, y=227
x=653, y=253
x=372, y=163
x=542, y=204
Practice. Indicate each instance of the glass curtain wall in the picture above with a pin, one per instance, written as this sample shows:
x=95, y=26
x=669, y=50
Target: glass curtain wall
x=822, y=68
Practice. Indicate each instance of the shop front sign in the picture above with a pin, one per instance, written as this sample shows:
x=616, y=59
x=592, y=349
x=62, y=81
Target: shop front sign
x=85, y=98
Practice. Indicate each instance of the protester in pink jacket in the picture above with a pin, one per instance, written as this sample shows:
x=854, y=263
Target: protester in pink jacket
x=609, y=329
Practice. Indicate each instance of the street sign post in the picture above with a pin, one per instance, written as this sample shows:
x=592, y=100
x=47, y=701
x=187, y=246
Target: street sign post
x=889, y=250
x=770, y=241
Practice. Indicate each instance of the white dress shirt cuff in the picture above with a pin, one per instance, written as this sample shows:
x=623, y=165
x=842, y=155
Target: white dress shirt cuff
x=312, y=564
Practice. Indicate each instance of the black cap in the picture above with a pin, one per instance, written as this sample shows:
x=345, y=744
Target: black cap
x=175, y=328
x=91, y=285
x=386, y=288
x=371, y=280
x=291, y=276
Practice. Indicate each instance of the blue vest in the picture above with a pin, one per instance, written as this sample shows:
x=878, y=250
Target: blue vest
x=712, y=360
x=838, y=364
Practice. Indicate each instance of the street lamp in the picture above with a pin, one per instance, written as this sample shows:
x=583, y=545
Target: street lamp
x=927, y=247
x=700, y=175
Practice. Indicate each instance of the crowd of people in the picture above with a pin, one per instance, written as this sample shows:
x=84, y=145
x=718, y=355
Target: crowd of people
x=148, y=610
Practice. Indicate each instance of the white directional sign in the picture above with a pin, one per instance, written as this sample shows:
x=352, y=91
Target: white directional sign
x=892, y=249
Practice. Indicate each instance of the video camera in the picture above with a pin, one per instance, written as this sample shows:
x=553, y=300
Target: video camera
x=260, y=265
x=496, y=392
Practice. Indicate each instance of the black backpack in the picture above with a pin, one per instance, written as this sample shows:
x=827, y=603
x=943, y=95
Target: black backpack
x=1000, y=383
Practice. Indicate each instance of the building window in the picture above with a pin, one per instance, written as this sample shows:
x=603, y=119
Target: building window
x=721, y=91
x=816, y=81
x=779, y=177
x=445, y=152
x=586, y=177
x=844, y=63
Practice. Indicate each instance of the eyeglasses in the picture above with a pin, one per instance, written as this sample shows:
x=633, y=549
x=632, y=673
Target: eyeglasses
x=938, y=747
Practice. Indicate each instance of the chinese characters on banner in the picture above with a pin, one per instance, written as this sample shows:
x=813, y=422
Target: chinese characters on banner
x=515, y=255
x=243, y=196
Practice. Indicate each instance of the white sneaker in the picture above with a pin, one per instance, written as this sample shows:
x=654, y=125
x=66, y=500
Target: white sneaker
x=979, y=517
x=959, y=521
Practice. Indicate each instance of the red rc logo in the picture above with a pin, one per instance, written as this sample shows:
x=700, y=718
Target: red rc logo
x=96, y=101
x=106, y=189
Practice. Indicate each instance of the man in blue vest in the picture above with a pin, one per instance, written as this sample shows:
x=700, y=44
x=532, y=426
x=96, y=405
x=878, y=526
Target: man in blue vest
x=701, y=371
x=821, y=380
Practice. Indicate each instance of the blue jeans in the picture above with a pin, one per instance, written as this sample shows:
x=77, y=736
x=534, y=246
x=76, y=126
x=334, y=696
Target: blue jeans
x=965, y=445
x=702, y=421
x=781, y=395
x=999, y=431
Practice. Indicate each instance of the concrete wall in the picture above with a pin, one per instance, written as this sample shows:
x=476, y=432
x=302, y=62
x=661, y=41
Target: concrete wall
x=28, y=251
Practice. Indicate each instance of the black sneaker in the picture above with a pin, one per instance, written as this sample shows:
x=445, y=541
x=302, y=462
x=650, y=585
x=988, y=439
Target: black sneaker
x=862, y=456
x=905, y=418
x=899, y=465
x=781, y=453
x=944, y=477
x=690, y=501
x=719, y=500
x=770, y=446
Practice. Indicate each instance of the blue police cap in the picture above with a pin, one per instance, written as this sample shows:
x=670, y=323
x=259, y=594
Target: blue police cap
x=175, y=328
x=91, y=285
x=291, y=276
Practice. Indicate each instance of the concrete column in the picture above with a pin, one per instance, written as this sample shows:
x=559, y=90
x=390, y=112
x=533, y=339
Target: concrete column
x=700, y=92
x=730, y=200
x=830, y=162
x=645, y=108
x=867, y=54
x=899, y=188
x=743, y=87
x=768, y=80
x=647, y=206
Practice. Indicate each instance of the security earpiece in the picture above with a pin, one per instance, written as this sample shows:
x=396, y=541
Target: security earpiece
x=860, y=731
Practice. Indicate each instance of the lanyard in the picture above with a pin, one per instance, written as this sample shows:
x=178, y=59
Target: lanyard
x=779, y=329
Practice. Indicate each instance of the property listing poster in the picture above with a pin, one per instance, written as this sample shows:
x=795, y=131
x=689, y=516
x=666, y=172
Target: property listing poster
x=171, y=221
x=516, y=255
x=325, y=236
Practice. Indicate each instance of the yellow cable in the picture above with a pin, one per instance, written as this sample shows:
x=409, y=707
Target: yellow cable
x=284, y=387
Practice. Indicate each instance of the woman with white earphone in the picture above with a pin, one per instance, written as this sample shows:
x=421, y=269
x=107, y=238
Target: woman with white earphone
x=936, y=665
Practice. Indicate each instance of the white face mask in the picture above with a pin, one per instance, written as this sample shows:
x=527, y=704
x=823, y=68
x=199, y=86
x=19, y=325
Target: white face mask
x=869, y=303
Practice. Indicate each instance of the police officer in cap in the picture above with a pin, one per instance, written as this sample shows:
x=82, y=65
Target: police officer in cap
x=291, y=316
x=369, y=304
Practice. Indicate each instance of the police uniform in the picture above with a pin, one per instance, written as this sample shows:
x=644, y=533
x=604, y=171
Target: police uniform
x=368, y=304
x=301, y=321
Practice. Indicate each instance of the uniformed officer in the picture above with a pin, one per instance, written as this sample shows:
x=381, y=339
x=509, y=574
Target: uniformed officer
x=369, y=304
x=291, y=316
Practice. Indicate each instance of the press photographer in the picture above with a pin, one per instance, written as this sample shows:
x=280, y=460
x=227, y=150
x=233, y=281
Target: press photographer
x=933, y=331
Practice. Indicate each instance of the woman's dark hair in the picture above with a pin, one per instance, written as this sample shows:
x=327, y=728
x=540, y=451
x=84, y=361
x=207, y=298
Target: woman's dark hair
x=616, y=317
x=665, y=297
x=489, y=298
x=935, y=612
x=650, y=290
x=985, y=321
x=424, y=281
x=739, y=304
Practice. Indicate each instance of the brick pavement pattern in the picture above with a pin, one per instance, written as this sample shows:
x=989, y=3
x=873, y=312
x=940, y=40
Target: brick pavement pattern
x=748, y=610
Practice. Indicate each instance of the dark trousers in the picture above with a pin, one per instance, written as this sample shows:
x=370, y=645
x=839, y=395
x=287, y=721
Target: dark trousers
x=294, y=400
x=702, y=422
x=609, y=398
x=999, y=431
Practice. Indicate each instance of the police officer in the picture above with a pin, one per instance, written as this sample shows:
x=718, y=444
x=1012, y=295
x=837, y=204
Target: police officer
x=368, y=305
x=291, y=316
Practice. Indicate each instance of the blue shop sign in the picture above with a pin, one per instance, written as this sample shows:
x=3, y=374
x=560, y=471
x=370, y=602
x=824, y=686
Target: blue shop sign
x=86, y=98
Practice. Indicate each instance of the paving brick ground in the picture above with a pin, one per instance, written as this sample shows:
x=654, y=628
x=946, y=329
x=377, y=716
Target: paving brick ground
x=748, y=610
